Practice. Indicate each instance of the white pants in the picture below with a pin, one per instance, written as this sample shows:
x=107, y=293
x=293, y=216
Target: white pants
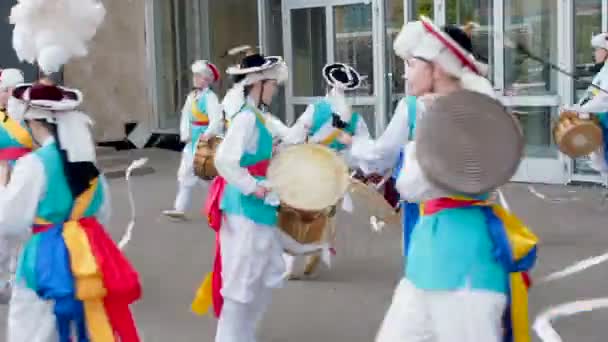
x=186, y=180
x=9, y=248
x=30, y=318
x=443, y=316
x=251, y=267
x=239, y=321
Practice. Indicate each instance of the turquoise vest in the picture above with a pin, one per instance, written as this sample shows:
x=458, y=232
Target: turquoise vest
x=197, y=131
x=322, y=114
x=6, y=140
x=55, y=206
x=56, y=202
x=234, y=202
x=453, y=249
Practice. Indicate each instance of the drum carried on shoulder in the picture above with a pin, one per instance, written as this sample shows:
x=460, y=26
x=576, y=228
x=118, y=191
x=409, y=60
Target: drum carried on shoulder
x=577, y=137
x=310, y=180
x=204, y=165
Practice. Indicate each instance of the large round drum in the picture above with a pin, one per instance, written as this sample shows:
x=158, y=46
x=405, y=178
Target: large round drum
x=309, y=179
x=204, y=165
x=577, y=137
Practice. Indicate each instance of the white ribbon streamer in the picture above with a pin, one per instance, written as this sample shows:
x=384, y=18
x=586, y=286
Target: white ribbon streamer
x=542, y=324
x=546, y=198
x=136, y=164
x=576, y=268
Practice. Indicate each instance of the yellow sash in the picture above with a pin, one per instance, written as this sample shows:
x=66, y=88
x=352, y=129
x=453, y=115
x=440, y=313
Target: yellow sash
x=198, y=115
x=331, y=137
x=87, y=275
x=17, y=131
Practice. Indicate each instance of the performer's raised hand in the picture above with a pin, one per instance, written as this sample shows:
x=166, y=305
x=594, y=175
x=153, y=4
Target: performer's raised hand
x=261, y=192
x=345, y=138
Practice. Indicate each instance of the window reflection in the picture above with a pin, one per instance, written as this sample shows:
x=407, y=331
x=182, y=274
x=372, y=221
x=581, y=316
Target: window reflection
x=309, y=51
x=353, y=30
x=536, y=123
x=462, y=12
x=533, y=23
x=587, y=22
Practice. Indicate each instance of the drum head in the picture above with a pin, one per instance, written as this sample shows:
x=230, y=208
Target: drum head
x=366, y=199
x=308, y=176
x=467, y=143
x=580, y=139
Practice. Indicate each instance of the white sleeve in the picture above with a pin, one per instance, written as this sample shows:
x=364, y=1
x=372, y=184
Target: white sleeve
x=388, y=145
x=214, y=111
x=105, y=211
x=276, y=126
x=598, y=104
x=184, y=126
x=412, y=184
x=230, y=151
x=20, y=197
x=298, y=132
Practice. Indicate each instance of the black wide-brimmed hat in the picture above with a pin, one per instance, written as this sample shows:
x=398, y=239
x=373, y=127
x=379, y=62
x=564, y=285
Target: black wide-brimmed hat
x=341, y=75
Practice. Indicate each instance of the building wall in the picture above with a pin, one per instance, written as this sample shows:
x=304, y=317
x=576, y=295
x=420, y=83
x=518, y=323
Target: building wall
x=113, y=75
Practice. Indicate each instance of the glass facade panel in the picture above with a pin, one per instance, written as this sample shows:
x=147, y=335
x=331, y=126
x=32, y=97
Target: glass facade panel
x=533, y=23
x=461, y=12
x=354, y=43
x=309, y=43
x=536, y=123
x=587, y=22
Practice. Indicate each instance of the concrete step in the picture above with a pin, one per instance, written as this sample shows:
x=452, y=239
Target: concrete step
x=114, y=163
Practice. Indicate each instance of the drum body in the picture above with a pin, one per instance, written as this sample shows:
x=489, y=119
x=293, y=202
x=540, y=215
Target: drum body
x=310, y=180
x=204, y=165
x=577, y=137
x=305, y=226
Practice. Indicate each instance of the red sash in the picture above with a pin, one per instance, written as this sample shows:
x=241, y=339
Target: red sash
x=13, y=153
x=436, y=205
x=200, y=123
x=214, y=215
x=119, y=277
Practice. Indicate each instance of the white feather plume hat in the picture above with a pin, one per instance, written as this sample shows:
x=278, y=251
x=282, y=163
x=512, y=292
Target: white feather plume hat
x=10, y=78
x=51, y=33
x=207, y=68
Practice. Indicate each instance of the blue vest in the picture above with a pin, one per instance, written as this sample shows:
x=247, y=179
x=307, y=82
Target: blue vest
x=411, y=211
x=234, y=202
x=197, y=130
x=453, y=249
x=323, y=114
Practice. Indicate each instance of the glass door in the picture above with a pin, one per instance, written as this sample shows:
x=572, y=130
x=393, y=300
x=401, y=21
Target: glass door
x=319, y=32
x=531, y=90
x=588, y=21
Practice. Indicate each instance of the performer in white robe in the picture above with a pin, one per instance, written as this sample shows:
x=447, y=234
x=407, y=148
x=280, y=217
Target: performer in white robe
x=440, y=278
x=15, y=141
x=64, y=202
x=248, y=261
x=595, y=102
x=323, y=122
x=201, y=118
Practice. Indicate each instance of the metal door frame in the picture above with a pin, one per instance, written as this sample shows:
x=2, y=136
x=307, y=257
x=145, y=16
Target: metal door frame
x=379, y=42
